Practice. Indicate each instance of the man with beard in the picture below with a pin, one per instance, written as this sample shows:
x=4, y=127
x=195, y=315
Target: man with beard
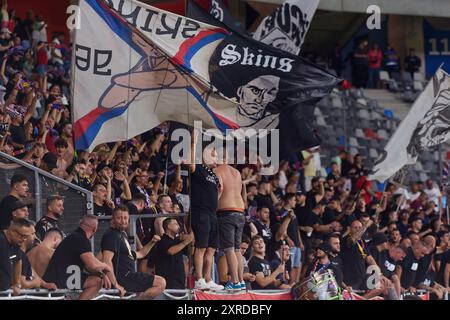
x=336, y=261
x=55, y=209
x=117, y=255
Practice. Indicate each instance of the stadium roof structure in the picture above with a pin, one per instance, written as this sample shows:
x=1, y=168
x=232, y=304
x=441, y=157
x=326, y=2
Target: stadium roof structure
x=425, y=8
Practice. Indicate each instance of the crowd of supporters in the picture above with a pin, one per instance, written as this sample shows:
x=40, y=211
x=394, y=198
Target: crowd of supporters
x=304, y=219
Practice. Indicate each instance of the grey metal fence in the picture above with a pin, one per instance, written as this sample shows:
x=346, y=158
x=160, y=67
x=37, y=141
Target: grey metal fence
x=78, y=201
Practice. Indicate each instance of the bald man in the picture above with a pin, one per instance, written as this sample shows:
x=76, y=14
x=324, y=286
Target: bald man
x=73, y=257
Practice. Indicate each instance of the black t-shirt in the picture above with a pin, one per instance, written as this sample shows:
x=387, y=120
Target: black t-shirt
x=101, y=211
x=302, y=214
x=409, y=269
x=255, y=265
x=274, y=264
x=66, y=256
x=387, y=264
x=144, y=226
x=337, y=265
x=9, y=254
x=204, y=190
x=445, y=259
x=45, y=224
x=170, y=267
x=422, y=270
x=124, y=258
x=329, y=216
x=354, y=264
x=5, y=211
x=312, y=221
x=263, y=230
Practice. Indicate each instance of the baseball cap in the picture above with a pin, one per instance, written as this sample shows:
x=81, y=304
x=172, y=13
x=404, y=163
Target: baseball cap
x=379, y=238
x=19, y=204
x=51, y=160
x=325, y=247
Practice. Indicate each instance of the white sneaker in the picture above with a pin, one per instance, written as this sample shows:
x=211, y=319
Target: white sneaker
x=214, y=286
x=200, y=284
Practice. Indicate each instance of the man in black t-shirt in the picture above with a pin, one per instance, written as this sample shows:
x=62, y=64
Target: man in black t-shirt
x=282, y=256
x=169, y=254
x=266, y=198
x=103, y=206
x=10, y=254
x=289, y=226
x=118, y=255
x=335, y=244
x=55, y=210
x=74, y=266
x=18, y=191
x=355, y=256
x=204, y=186
x=407, y=270
x=260, y=267
x=262, y=223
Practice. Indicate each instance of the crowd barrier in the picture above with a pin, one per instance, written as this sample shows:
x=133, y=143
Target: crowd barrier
x=172, y=294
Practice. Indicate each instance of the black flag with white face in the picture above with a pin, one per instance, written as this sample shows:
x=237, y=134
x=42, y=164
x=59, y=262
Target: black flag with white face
x=273, y=89
x=287, y=26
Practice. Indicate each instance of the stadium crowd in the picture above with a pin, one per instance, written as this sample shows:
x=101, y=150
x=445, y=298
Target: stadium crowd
x=244, y=231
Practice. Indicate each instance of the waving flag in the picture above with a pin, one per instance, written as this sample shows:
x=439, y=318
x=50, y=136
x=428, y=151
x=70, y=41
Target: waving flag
x=287, y=26
x=137, y=66
x=124, y=84
x=426, y=125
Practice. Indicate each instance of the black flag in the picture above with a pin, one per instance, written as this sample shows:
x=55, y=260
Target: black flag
x=272, y=87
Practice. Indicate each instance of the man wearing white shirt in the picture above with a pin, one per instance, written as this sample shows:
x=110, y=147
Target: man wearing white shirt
x=433, y=192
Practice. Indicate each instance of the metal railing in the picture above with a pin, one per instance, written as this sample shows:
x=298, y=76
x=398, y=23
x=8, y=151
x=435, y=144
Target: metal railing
x=78, y=201
x=104, y=224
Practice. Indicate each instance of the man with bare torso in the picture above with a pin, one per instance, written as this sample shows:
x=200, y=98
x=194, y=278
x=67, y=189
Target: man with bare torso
x=231, y=220
x=41, y=254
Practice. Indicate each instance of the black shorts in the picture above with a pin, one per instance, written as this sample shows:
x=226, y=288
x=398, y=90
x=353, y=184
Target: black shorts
x=136, y=282
x=231, y=224
x=204, y=226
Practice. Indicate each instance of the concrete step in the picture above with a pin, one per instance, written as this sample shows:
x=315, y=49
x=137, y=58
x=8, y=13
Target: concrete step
x=389, y=100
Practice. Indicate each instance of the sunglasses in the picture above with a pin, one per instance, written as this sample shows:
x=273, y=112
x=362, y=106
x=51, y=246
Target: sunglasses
x=23, y=236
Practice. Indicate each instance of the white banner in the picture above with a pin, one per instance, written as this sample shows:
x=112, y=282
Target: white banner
x=123, y=83
x=425, y=126
x=287, y=26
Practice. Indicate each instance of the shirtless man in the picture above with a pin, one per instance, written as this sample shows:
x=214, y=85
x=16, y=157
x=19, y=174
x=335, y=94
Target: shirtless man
x=231, y=220
x=40, y=255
